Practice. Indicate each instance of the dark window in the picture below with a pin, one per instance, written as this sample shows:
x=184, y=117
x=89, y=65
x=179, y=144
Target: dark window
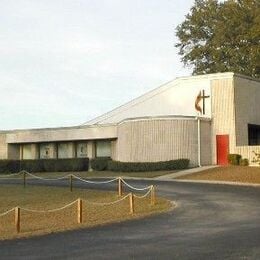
x=253, y=134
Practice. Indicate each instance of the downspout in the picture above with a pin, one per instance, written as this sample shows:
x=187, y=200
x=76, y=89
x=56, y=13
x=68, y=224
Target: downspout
x=199, y=145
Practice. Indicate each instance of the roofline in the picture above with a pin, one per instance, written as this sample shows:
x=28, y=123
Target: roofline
x=218, y=75
x=55, y=128
x=167, y=117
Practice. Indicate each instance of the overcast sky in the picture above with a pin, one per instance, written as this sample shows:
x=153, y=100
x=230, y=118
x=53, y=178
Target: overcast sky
x=64, y=62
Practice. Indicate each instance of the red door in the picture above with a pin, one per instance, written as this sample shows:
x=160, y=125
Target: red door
x=222, y=149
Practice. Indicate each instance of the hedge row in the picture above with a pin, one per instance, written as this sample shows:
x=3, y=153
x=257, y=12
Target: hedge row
x=99, y=164
x=44, y=165
x=102, y=164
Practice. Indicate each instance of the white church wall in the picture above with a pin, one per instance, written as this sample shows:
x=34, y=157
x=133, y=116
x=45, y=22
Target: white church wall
x=174, y=98
x=223, y=113
x=158, y=140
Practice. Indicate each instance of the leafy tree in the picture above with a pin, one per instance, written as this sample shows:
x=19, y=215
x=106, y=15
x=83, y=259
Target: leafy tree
x=221, y=36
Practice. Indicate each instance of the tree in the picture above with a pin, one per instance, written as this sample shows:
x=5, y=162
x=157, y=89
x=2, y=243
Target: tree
x=221, y=36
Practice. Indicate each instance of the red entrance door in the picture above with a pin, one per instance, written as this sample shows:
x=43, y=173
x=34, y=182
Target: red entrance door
x=222, y=149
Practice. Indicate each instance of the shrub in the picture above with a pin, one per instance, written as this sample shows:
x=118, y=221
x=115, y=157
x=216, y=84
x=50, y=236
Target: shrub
x=32, y=165
x=99, y=164
x=243, y=162
x=148, y=166
x=44, y=165
x=9, y=166
x=233, y=159
x=65, y=165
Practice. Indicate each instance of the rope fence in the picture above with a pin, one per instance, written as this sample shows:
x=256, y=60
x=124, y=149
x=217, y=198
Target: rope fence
x=150, y=190
x=17, y=210
x=72, y=177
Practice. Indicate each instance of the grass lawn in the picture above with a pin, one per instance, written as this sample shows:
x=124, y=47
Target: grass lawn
x=227, y=173
x=103, y=174
x=45, y=198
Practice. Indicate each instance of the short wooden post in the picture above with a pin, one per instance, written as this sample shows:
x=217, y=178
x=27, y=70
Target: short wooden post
x=17, y=219
x=79, y=211
x=119, y=187
x=71, y=182
x=24, y=179
x=131, y=203
x=152, y=195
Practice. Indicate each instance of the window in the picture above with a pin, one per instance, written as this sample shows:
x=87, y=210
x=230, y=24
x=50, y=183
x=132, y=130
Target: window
x=82, y=150
x=65, y=150
x=103, y=149
x=45, y=151
x=27, y=151
x=253, y=134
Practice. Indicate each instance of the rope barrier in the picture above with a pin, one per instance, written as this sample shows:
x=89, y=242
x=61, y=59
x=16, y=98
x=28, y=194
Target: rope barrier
x=145, y=195
x=107, y=203
x=5, y=213
x=78, y=178
x=9, y=175
x=47, y=179
x=134, y=188
x=94, y=182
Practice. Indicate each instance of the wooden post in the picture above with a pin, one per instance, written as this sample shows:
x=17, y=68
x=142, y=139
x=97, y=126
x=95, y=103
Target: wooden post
x=79, y=211
x=152, y=195
x=24, y=179
x=119, y=187
x=71, y=180
x=17, y=219
x=131, y=203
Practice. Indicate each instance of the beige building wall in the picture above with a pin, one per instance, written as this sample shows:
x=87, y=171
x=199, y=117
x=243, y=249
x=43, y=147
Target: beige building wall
x=3, y=146
x=247, y=107
x=157, y=140
x=62, y=134
x=223, y=113
x=247, y=152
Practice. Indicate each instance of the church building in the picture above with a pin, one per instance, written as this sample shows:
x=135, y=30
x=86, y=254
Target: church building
x=202, y=118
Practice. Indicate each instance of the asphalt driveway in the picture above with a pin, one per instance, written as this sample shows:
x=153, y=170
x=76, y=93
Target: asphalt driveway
x=210, y=222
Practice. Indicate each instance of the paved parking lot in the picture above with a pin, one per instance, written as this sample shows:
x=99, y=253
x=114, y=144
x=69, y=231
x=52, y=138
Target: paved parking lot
x=210, y=222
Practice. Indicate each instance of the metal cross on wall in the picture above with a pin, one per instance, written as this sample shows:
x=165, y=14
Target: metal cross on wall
x=198, y=99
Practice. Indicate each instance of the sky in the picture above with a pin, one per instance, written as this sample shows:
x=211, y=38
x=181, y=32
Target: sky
x=64, y=62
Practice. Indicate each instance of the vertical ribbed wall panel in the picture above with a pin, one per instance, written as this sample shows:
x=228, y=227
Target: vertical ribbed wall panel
x=205, y=141
x=223, y=113
x=157, y=140
x=247, y=152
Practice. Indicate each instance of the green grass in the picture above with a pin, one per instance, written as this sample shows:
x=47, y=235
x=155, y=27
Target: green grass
x=44, y=198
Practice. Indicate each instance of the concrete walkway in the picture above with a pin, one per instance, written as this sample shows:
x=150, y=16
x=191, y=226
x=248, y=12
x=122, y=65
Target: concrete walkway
x=184, y=172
